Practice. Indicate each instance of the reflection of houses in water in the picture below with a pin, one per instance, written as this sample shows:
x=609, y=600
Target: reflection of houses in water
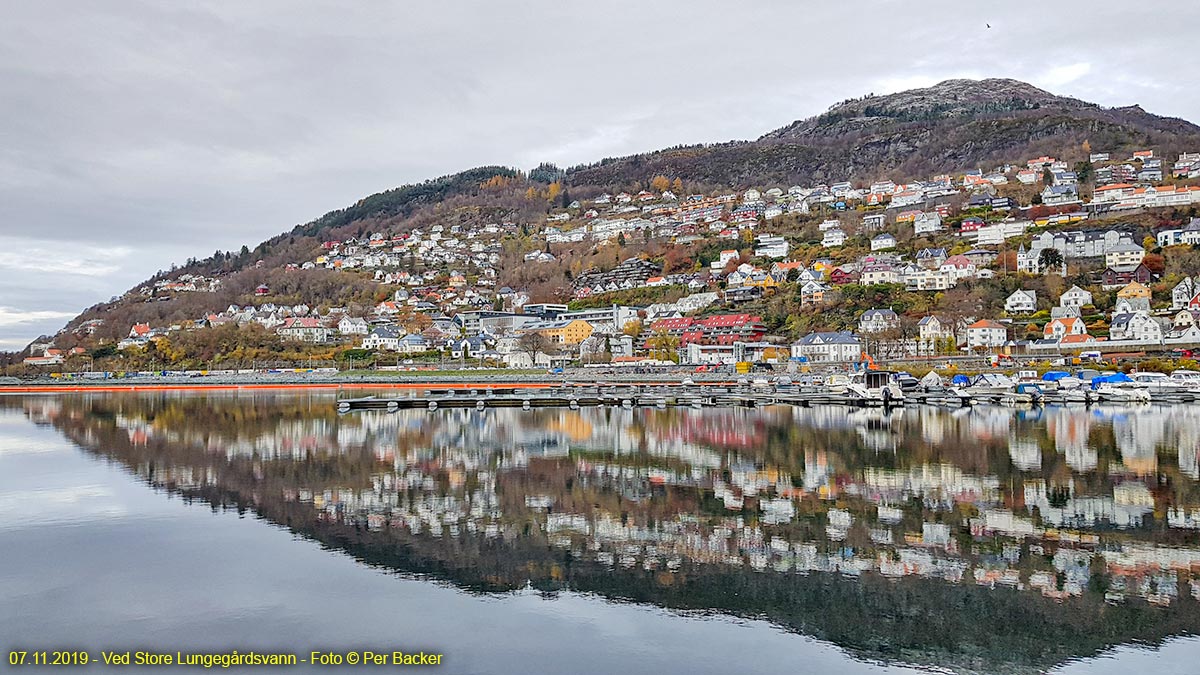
x=990, y=423
x=1138, y=435
x=1071, y=428
x=940, y=485
x=1062, y=507
x=874, y=427
x=933, y=423
x=650, y=489
x=1025, y=452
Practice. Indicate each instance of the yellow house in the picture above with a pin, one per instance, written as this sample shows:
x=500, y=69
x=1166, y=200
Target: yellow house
x=565, y=332
x=1134, y=291
x=763, y=281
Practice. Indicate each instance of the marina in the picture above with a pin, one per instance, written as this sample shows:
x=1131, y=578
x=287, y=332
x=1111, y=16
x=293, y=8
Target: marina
x=869, y=388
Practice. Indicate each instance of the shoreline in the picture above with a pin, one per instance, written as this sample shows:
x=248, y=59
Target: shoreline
x=285, y=382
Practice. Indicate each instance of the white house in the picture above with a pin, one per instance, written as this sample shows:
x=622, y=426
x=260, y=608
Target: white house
x=1183, y=292
x=1074, y=297
x=930, y=330
x=877, y=320
x=1136, y=327
x=833, y=237
x=986, y=333
x=883, y=242
x=353, y=325
x=1057, y=329
x=927, y=223
x=828, y=347
x=1021, y=302
x=384, y=337
x=771, y=246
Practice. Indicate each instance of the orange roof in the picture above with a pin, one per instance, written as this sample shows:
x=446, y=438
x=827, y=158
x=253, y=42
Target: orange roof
x=985, y=323
x=1071, y=339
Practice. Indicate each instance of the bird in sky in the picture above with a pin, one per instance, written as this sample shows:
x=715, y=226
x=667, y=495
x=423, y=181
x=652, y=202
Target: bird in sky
x=989, y=25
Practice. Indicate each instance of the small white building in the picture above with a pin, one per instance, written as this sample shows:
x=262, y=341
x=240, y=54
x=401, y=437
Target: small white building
x=1075, y=297
x=883, y=242
x=1021, y=302
x=833, y=237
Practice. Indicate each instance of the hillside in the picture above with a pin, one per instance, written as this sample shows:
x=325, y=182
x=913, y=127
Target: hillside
x=952, y=126
x=494, y=237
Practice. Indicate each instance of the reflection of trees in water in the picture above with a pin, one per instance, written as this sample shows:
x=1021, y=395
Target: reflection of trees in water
x=920, y=619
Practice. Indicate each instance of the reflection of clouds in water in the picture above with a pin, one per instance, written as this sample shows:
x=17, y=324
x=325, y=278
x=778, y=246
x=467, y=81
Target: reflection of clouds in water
x=24, y=445
x=74, y=504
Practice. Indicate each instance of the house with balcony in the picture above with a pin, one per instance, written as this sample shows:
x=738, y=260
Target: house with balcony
x=877, y=321
x=986, y=333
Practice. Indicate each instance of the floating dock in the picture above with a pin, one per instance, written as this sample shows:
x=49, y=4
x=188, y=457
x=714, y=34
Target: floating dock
x=659, y=396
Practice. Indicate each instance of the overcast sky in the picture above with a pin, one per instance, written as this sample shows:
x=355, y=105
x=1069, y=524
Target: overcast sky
x=135, y=134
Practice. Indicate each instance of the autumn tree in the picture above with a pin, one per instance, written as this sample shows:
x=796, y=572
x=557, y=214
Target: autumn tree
x=664, y=346
x=677, y=187
x=660, y=183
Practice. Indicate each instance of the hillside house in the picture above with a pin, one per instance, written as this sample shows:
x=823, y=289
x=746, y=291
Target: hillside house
x=384, y=338
x=1074, y=297
x=877, y=321
x=883, y=242
x=986, y=334
x=1057, y=329
x=1137, y=327
x=833, y=237
x=1021, y=302
x=305, y=329
x=1124, y=254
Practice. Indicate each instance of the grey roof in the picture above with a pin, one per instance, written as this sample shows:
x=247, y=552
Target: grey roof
x=835, y=337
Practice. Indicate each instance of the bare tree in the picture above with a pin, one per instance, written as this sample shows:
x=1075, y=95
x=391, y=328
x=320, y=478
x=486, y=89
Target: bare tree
x=534, y=343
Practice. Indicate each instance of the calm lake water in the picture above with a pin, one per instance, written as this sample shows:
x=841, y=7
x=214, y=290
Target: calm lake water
x=601, y=540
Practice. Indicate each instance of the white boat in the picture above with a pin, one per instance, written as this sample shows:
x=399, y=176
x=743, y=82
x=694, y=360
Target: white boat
x=1189, y=378
x=1160, y=383
x=1118, y=393
x=874, y=386
x=990, y=383
x=837, y=383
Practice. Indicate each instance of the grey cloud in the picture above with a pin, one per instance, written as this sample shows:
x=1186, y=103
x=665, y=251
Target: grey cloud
x=173, y=129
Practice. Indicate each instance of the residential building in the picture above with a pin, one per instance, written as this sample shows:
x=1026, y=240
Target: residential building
x=828, y=347
x=930, y=331
x=1115, y=277
x=563, y=332
x=1021, y=302
x=1074, y=297
x=305, y=329
x=986, y=334
x=384, y=337
x=771, y=246
x=353, y=325
x=883, y=242
x=717, y=329
x=1057, y=329
x=1124, y=254
x=877, y=320
x=833, y=237
x=1136, y=327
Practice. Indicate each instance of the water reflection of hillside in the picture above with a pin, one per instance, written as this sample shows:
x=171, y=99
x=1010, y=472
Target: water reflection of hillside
x=956, y=537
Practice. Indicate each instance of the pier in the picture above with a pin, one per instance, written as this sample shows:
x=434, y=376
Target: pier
x=661, y=396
